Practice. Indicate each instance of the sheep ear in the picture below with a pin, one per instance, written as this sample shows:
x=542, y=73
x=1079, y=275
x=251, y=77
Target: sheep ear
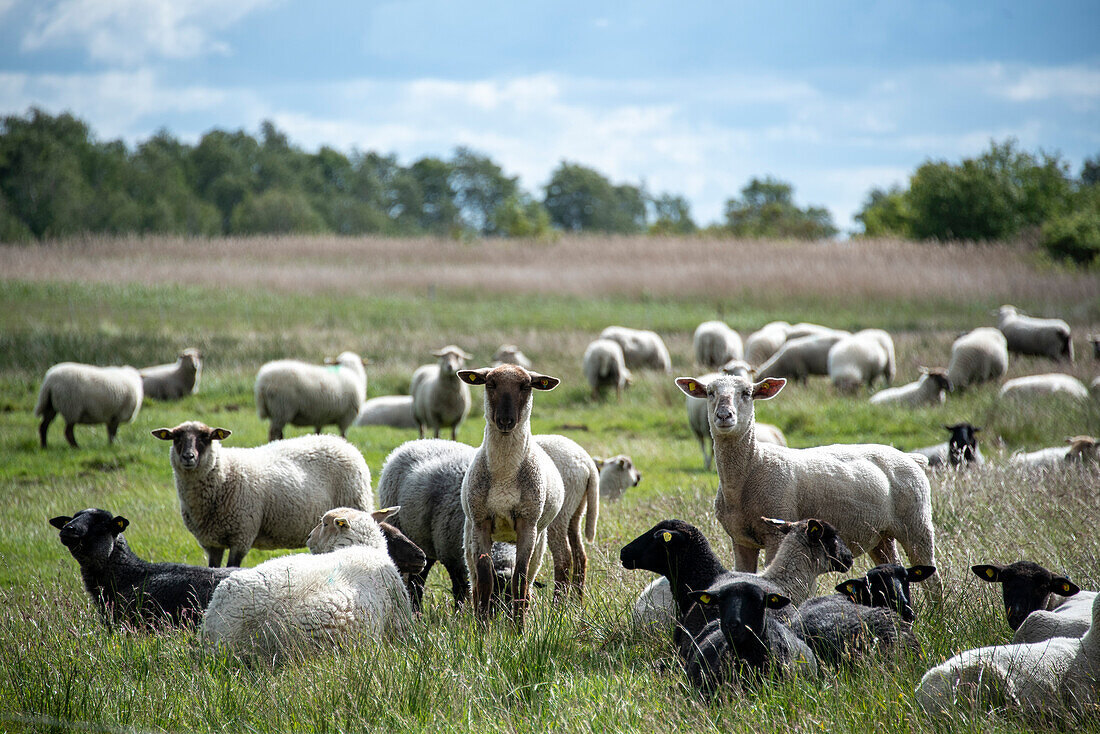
x=768, y=388
x=384, y=513
x=851, y=588
x=543, y=382
x=704, y=598
x=340, y=522
x=919, y=573
x=599, y=462
x=220, y=434
x=814, y=529
x=692, y=386
x=474, y=377
x=60, y=521
x=777, y=601
x=781, y=525
x=988, y=572
x=164, y=434
x=120, y=524
x=1063, y=586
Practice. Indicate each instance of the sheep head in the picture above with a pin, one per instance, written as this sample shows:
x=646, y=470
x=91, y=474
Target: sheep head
x=730, y=400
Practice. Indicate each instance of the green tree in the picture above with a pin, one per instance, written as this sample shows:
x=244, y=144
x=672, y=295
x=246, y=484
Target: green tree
x=671, y=216
x=276, y=212
x=429, y=197
x=582, y=199
x=766, y=209
x=1090, y=171
x=520, y=216
x=480, y=188
x=886, y=214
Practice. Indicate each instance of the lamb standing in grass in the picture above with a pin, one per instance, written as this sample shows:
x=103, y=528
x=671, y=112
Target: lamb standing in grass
x=605, y=366
x=765, y=342
x=1038, y=387
x=395, y=411
x=860, y=359
x=88, y=395
x=642, y=349
x=978, y=356
x=440, y=399
x=289, y=391
x=263, y=497
x=1043, y=337
x=176, y=380
x=581, y=483
x=617, y=474
x=930, y=389
x=715, y=344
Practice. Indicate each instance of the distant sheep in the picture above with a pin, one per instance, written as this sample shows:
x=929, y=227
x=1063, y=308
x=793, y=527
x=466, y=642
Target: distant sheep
x=176, y=380
x=715, y=344
x=799, y=358
x=617, y=474
x=511, y=354
x=605, y=366
x=440, y=399
x=1038, y=604
x=931, y=388
x=395, y=411
x=860, y=359
x=765, y=342
x=289, y=391
x=960, y=449
x=805, y=328
x=978, y=356
x=1043, y=337
x=88, y=395
x=1037, y=387
x=641, y=349
x=1082, y=451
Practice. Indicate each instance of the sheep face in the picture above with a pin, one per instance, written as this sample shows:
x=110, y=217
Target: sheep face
x=659, y=548
x=730, y=400
x=1026, y=587
x=342, y=527
x=451, y=359
x=90, y=535
x=963, y=444
x=741, y=606
x=618, y=472
x=191, y=359
x=191, y=442
x=822, y=541
x=406, y=555
x=886, y=585
x=508, y=393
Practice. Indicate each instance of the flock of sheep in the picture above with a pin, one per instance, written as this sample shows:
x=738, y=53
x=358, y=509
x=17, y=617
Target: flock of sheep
x=488, y=514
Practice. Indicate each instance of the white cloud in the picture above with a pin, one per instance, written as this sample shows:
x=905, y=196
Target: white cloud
x=1074, y=83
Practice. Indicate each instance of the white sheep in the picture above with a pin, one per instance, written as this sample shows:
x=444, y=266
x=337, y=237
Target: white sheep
x=801, y=357
x=766, y=341
x=263, y=497
x=1042, y=337
x=1053, y=679
x=977, y=356
x=1071, y=618
x=715, y=344
x=860, y=359
x=1038, y=387
x=605, y=366
x=88, y=395
x=301, y=603
x=511, y=354
x=700, y=424
x=395, y=411
x=440, y=399
x=930, y=388
x=1082, y=450
x=873, y=494
x=617, y=474
x=289, y=391
x=176, y=380
x=642, y=349
x=806, y=328
x=581, y=484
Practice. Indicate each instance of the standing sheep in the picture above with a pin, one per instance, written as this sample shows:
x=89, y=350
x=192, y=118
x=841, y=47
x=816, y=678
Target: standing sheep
x=715, y=344
x=440, y=399
x=1042, y=337
x=176, y=380
x=1038, y=387
x=860, y=359
x=801, y=357
x=978, y=356
x=605, y=366
x=765, y=342
x=617, y=474
x=303, y=394
x=263, y=497
x=930, y=389
x=642, y=349
x=511, y=354
x=88, y=395
x=581, y=483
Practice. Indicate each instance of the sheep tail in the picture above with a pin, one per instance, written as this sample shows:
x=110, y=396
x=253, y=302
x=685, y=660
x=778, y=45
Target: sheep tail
x=1067, y=346
x=43, y=399
x=592, y=514
x=261, y=404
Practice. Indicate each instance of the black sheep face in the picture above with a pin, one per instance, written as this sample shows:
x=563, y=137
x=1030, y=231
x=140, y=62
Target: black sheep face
x=963, y=444
x=742, y=608
x=887, y=585
x=1026, y=587
x=406, y=555
x=90, y=535
x=658, y=549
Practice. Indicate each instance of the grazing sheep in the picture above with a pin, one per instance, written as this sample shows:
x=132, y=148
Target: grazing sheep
x=978, y=356
x=1038, y=604
x=303, y=394
x=512, y=490
x=395, y=411
x=263, y=497
x=799, y=358
x=931, y=388
x=88, y=395
x=1054, y=679
x=440, y=399
x=127, y=589
x=860, y=359
x=173, y=381
x=873, y=494
x=617, y=473
x=960, y=449
x=342, y=527
x=641, y=349
x=296, y=603
x=1082, y=450
x=605, y=366
x=581, y=483
x=1042, y=337
x=511, y=354
x=765, y=342
x=1038, y=387
x=715, y=343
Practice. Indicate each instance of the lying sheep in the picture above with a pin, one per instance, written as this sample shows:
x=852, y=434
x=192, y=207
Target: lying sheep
x=715, y=344
x=801, y=357
x=127, y=589
x=1038, y=387
x=886, y=585
x=298, y=603
x=395, y=411
x=617, y=474
x=931, y=388
x=765, y=342
x=978, y=356
x=1038, y=604
x=440, y=399
x=641, y=349
x=605, y=366
x=88, y=395
x=511, y=354
x=289, y=391
x=1082, y=451
x=173, y=381
x=860, y=359
x=873, y=494
x=581, y=483
x=263, y=497
x=342, y=527
x=960, y=449
x=1042, y=337
x=839, y=630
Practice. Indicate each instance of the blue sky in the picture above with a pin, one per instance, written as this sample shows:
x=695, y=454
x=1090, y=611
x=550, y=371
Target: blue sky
x=692, y=98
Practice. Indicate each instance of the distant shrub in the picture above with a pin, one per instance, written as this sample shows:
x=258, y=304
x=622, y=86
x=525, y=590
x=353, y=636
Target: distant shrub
x=1074, y=236
x=276, y=212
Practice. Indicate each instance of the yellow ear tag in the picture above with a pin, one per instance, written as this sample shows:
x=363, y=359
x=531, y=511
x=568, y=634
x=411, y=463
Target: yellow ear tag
x=691, y=386
x=1065, y=587
x=667, y=536
x=545, y=382
x=773, y=599
x=850, y=587
x=989, y=572
x=120, y=525
x=341, y=522
x=471, y=378
x=704, y=598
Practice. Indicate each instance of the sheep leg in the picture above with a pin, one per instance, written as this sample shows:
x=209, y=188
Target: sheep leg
x=526, y=533
x=69, y=434
x=885, y=552
x=454, y=432
x=437, y=431
x=706, y=456
x=236, y=555
x=745, y=558
x=479, y=543
x=415, y=585
x=460, y=582
x=214, y=556
x=421, y=427
x=275, y=432
x=558, y=540
x=580, y=557
x=112, y=430
x=47, y=418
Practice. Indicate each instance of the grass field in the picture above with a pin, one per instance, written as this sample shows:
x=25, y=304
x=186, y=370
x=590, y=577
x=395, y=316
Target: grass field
x=581, y=667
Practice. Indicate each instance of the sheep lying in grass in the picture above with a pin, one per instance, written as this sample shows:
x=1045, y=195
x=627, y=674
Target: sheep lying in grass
x=173, y=381
x=860, y=359
x=765, y=342
x=605, y=366
x=440, y=399
x=715, y=344
x=1039, y=387
x=395, y=411
x=1038, y=604
x=127, y=589
x=960, y=449
x=88, y=395
x=1082, y=451
x=617, y=474
x=801, y=357
x=1043, y=337
x=289, y=391
x=263, y=497
x=511, y=354
x=641, y=349
x=978, y=356
x=342, y=527
x=887, y=585
x=931, y=388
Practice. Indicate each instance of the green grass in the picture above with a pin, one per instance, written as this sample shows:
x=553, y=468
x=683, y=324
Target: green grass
x=576, y=667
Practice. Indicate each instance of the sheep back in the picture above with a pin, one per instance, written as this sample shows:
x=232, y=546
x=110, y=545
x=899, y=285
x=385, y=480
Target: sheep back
x=642, y=349
x=978, y=356
x=88, y=395
x=763, y=343
x=289, y=391
x=715, y=344
x=395, y=411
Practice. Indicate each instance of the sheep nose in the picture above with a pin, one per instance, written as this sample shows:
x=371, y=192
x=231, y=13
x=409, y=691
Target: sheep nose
x=723, y=414
x=505, y=424
x=188, y=456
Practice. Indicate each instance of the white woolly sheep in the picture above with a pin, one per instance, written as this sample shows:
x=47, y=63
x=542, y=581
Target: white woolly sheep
x=291, y=604
x=977, y=356
x=440, y=399
x=715, y=344
x=642, y=349
x=801, y=357
x=289, y=391
x=860, y=359
x=1042, y=337
x=931, y=388
x=700, y=424
x=395, y=411
x=617, y=474
x=581, y=483
x=873, y=494
x=263, y=497
x=605, y=366
x=1082, y=450
x=346, y=526
x=1038, y=604
x=1038, y=387
x=1071, y=618
x=173, y=381
x=766, y=341
x=1054, y=679
x=88, y=395
x=805, y=328
x=511, y=354
x=512, y=490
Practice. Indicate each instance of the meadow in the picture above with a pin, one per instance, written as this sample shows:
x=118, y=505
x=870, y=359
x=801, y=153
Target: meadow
x=576, y=667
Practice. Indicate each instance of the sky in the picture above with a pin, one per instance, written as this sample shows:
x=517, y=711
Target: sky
x=692, y=98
